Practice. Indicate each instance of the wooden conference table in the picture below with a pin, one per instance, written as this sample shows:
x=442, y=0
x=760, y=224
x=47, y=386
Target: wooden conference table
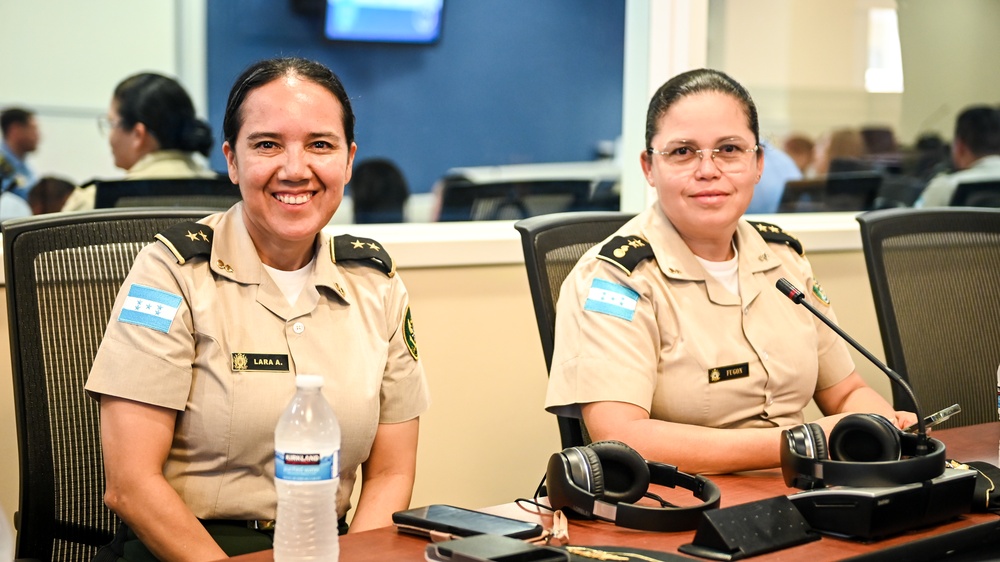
x=970, y=443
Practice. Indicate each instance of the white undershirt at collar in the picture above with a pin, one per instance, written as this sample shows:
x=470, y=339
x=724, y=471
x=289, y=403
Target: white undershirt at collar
x=725, y=272
x=291, y=283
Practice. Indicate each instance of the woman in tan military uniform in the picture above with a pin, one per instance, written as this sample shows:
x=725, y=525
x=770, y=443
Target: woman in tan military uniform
x=153, y=133
x=216, y=318
x=671, y=336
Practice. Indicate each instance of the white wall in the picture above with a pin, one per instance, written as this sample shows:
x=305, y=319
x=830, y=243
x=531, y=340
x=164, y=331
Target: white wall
x=63, y=60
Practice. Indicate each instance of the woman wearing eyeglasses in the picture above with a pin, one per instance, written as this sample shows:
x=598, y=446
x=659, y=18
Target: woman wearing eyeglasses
x=153, y=133
x=671, y=336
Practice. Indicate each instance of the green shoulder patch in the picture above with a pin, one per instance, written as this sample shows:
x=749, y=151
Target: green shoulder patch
x=408, y=335
x=773, y=233
x=186, y=240
x=347, y=248
x=626, y=252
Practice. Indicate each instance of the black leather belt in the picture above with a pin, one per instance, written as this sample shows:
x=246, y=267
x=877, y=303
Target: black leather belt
x=254, y=524
x=261, y=524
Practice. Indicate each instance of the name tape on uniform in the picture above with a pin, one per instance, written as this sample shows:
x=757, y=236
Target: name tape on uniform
x=613, y=299
x=150, y=308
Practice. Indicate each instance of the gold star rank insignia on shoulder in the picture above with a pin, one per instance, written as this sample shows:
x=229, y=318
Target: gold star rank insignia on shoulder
x=774, y=234
x=365, y=250
x=186, y=240
x=818, y=291
x=625, y=252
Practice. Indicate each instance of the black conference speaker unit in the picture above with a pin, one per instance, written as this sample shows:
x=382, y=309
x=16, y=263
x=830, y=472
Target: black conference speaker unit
x=872, y=512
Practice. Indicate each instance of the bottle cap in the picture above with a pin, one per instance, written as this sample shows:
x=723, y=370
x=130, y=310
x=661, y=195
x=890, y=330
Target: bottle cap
x=309, y=381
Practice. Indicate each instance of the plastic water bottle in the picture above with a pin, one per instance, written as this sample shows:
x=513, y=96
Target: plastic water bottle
x=307, y=475
x=6, y=538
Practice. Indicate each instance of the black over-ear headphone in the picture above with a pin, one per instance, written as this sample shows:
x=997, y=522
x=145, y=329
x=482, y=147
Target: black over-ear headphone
x=604, y=479
x=865, y=450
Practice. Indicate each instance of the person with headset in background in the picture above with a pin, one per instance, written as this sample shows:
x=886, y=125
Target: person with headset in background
x=153, y=133
x=671, y=336
x=191, y=386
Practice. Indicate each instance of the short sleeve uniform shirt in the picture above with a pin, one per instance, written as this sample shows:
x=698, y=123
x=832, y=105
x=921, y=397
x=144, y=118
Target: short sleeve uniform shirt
x=216, y=340
x=671, y=339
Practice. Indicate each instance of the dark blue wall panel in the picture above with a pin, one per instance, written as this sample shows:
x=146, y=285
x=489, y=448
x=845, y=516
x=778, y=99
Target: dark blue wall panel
x=510, y=81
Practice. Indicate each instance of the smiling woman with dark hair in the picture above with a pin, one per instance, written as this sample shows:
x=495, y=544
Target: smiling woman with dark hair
x=671, y=336
x=191, y=384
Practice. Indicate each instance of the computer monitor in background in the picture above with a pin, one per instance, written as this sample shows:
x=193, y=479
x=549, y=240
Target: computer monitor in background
x=400, y=21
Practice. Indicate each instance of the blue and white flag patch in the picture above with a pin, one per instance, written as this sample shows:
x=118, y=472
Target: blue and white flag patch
x=611, y=298
x=149, y=307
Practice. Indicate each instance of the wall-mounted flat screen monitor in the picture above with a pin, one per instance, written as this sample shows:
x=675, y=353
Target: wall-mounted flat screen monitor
x=389, y=21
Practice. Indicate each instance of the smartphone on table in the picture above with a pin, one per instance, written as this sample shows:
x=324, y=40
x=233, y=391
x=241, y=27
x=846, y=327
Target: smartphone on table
x=935, y=418
x=448, y=521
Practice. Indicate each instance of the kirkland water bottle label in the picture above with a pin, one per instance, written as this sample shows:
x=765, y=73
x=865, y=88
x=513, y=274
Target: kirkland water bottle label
x=305, y=467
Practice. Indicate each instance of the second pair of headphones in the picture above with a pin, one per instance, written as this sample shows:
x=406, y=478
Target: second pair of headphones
x=603, y=480
x=864, y=450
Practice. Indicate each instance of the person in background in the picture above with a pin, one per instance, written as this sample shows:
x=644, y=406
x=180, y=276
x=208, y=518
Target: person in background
x=840, y=150
x=153, y=133
x=20, y=138
x=778, y=169
x=378, y=191
x=191, y=391
x=667, y=335
x=975, y=154
x=49, y=195
x=11, y=206
x=802, y=150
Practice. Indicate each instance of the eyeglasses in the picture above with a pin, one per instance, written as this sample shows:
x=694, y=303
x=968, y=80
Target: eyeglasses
x=729, y=158
x=105, y=124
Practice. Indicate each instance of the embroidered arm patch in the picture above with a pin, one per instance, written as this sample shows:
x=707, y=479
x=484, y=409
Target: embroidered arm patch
x=612, y=299
x=150, y=308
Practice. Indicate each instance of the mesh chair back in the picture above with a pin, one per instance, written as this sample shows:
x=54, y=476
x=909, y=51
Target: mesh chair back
x=203, y=193
x=933, y=274
x=552, y=245
x=63, y=273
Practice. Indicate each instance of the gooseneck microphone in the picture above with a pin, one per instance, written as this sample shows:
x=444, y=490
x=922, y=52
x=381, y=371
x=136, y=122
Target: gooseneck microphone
x=796, y=296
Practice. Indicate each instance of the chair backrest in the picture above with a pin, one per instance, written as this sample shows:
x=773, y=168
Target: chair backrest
x=203, y=193
x=63, y=272
x=552, y=245
x=933, y=274
x=852, y=191
x=463, y=200
x=842, y=191
x=977, y=194
x=803, y=196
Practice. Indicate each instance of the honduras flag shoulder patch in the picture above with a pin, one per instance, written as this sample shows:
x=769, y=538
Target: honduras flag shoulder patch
x=150, y=308
x=612, y=299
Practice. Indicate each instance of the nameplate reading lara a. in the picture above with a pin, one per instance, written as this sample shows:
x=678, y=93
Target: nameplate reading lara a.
x=260, y=362
x=729, y=372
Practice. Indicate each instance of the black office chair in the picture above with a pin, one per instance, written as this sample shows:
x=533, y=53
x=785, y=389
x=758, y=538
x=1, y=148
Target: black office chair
x=463, y=200
x=976, y=194
x=842, y=191
x=552, y=245
x=852, y=191
x=803, y=196
x=63, y=273
x=204, y=193
x=933, y=274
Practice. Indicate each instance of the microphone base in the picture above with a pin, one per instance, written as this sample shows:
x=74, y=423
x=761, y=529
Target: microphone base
x=874, y=513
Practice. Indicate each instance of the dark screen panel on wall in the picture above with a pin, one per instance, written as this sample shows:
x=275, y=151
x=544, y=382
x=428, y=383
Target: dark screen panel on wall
x=390, y=21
